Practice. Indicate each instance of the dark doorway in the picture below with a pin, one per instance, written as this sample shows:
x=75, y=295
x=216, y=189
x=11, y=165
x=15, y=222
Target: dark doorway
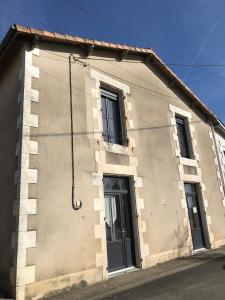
x=119, y=225
x=194, y=213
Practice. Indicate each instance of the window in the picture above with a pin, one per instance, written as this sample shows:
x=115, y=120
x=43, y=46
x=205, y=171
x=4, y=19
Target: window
x=183, y=137
x=112, y=117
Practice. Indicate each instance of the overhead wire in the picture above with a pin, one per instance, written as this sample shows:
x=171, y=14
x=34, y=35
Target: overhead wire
x=90, y=13
x=140, y=62
x=25, y=13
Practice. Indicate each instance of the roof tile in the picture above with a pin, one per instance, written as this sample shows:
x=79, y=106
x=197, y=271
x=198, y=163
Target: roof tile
x=60, y=36
x=105, y=44
x=120, y=46
x=70, y=38
x=79, y=39
x=89, y=41
x=98, y=43
x=48, y=33
x=112, y=45
x=126, y=47
x=132, y=48
x=23, y=28
x=36, y=31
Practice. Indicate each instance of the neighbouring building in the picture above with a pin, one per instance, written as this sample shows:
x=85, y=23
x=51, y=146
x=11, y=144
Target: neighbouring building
x=107, y=162
x=219, y=135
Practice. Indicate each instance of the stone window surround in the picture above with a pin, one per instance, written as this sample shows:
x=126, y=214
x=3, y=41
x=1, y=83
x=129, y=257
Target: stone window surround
x=129, y=124
x=221, y=149
x=102, y=167
x=189, y=178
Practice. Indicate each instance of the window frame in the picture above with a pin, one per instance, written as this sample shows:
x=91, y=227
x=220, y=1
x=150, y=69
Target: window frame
x=180, y=119
x=121, y=112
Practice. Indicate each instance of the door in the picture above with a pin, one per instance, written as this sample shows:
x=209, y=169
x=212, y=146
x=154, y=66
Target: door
x=194, y=216
x=119, y=226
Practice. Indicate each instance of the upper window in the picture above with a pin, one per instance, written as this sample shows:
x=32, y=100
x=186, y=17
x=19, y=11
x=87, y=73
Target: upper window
x=112, y=117
x=183, y=136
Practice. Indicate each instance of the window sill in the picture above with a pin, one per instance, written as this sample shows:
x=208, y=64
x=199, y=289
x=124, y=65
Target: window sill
x=188, y=162
x=116, y=148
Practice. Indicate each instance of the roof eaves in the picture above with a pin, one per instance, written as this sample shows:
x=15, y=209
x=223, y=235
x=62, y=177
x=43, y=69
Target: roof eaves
x=69, y=39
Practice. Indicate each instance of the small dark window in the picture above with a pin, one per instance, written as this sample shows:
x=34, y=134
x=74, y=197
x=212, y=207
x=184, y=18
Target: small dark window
x=112, y=117
x=183, y=137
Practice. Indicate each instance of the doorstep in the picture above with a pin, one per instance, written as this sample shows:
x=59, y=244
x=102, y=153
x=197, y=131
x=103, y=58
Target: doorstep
x=121, y=272
x=129, y=280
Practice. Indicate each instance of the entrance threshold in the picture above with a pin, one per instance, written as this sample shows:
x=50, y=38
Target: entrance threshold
x=200, y=250
x=122, y=271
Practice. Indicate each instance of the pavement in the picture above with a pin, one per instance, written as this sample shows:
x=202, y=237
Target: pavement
x=198, y=277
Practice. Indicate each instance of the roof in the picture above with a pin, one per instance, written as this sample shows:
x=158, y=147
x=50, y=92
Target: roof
x=18, y=31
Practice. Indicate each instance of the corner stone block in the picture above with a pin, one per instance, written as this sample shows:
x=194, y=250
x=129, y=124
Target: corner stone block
x=138, y=182
x=27, y=239
x=25, y=275
x=97, y=179
x=29, y=175
x=100, y=231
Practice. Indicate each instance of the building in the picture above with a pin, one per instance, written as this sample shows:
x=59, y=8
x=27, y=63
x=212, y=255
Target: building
x=107, y=162
x=219, y=136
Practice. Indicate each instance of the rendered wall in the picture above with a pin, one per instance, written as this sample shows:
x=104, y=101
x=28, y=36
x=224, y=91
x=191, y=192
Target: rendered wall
x=70, y=245
x=9, y=87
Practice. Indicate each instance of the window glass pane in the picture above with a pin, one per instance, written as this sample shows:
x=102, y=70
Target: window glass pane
x=104, y=119
x=182, y=136
x=113, y=218
x=107, y=183
x=111, y=117
x=114, y=122
x=188, y=188
x=124, y=184
x=105, y=130
x=115, y=183
x=103, y=100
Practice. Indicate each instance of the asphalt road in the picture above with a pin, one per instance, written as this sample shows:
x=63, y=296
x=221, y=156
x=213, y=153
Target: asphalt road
x=204, y=282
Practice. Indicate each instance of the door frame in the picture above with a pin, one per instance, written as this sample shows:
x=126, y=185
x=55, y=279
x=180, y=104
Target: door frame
x=202, y=214
x=134, y=219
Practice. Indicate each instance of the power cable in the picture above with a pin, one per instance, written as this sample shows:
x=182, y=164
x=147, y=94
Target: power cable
x=140, y=62
x=91, y=14
x=116, y=26
x=26, y=14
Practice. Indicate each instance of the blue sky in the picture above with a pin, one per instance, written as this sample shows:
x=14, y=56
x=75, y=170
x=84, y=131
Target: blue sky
x=180, y=31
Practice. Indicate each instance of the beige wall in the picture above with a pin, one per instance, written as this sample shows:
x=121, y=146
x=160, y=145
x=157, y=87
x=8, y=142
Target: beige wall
x=67, y=242
x=9, y=87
